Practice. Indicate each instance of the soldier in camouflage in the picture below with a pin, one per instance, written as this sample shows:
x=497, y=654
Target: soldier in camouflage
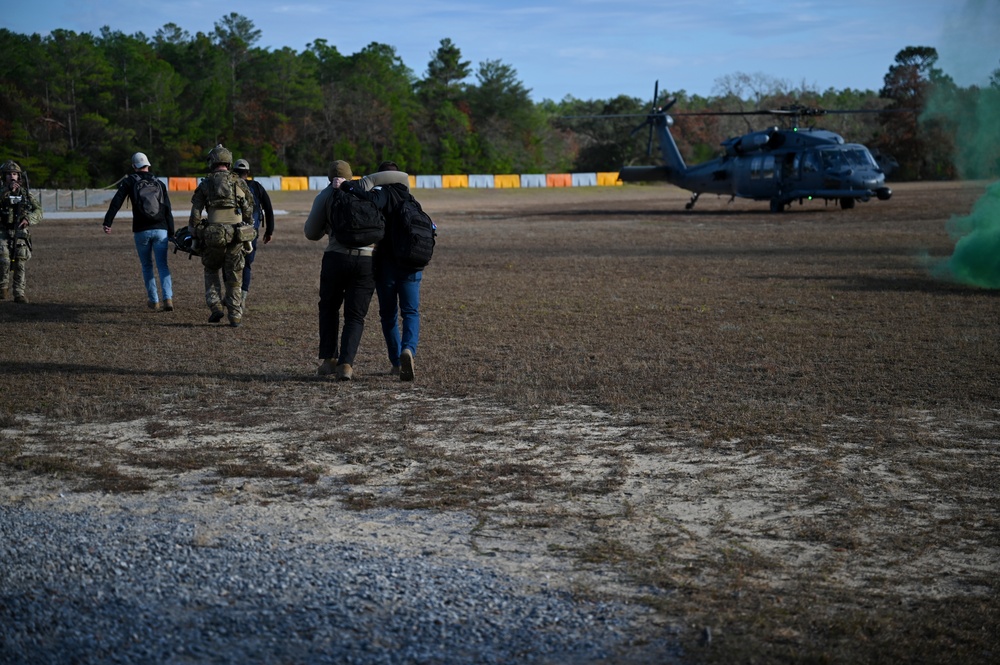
x=224, y=237
x=18, y=210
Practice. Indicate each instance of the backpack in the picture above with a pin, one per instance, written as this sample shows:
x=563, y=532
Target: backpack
x=354, y=222
x=220, y=190
x=149, y=198
x=412, y=233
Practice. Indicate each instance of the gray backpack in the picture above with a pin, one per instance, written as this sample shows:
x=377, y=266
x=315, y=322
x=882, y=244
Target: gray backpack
x=149, y=197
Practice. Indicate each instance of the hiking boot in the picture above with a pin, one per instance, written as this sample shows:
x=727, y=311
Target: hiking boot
x=326, y=368
x=216, y=316
x=168, y=305
x=153, y=306
x=406, y=365
x=344, y=372
x=20, y=298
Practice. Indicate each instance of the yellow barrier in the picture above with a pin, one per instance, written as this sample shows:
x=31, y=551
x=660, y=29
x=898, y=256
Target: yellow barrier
x=296, y=184
x=455, y=181
x=608, y=179
x=182, y=184
x=506, y=181
x=558, y=180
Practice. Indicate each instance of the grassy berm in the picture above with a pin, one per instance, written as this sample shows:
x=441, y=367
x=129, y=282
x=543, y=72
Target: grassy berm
x=780, y=431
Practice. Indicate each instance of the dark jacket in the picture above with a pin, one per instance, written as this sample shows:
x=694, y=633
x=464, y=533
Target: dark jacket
x=140, y=221
x=262, y=210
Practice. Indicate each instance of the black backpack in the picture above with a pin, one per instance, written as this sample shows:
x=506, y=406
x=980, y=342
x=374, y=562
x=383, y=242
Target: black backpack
x=354, y=222
x=412, y=232
x=149, y=197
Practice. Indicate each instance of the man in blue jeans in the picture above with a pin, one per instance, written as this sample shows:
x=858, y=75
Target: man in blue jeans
x=398, y=286
x=152, y=227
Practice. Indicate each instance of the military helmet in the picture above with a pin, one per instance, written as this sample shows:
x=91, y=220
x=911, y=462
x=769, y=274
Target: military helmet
x=219, y=155
x=10, y=166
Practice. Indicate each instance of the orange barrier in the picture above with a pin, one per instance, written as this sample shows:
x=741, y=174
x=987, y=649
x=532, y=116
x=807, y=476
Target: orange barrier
x=608, y=179
x=296, y=184
x=455, y=181
x=506, y=181
x=182, y=184
x=558, y=180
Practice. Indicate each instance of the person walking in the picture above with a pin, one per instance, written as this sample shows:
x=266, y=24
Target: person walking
x=397, y=284
x=152, y=227
x=262, y=212
x=224, y=237
x=19, y=209
x=346, y=279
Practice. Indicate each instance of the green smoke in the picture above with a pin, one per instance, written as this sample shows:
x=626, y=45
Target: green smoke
x=973, y=114
x=976, y=259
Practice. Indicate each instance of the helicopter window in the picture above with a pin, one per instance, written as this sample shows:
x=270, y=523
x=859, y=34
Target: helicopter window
x=833, y=159
x=810, y=164
x=768, y=170
x=859, y=158
x=755, y=165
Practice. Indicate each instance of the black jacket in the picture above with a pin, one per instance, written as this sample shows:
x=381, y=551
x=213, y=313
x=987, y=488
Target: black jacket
x=140, y=221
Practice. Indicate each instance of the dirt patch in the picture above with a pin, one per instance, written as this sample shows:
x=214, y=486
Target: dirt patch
x=778, y=431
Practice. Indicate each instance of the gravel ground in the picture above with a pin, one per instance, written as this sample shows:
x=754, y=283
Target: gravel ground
x=95, y=586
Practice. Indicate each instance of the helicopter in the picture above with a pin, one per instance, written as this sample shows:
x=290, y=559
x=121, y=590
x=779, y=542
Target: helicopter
x=776, y=165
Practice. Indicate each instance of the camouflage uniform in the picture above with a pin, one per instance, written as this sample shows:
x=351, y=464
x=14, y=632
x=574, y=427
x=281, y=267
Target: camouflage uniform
x=229, y=204
x=17, y=205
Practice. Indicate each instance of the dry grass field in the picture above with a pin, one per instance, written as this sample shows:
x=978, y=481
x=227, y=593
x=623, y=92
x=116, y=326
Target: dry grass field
x=779, y=432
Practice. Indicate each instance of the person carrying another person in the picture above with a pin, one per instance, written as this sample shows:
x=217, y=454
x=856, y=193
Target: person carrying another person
x=397, y=281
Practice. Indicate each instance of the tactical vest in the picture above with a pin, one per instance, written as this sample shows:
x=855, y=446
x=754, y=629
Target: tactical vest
x=221, y=203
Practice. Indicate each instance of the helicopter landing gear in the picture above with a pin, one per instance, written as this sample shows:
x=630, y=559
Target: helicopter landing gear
x=777, y=205
x=846, y=203
x=694, y=199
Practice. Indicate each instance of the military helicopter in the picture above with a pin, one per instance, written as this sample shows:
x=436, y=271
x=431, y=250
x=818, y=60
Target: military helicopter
x=776, y=165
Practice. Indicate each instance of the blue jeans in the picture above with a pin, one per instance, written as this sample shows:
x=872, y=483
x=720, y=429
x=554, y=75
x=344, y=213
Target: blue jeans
x=150, y=244
x=398, y=297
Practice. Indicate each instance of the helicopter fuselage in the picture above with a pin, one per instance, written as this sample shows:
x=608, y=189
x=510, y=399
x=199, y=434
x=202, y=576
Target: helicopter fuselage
x=776, y=165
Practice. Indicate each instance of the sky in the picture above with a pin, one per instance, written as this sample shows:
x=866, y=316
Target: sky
x=593, y=49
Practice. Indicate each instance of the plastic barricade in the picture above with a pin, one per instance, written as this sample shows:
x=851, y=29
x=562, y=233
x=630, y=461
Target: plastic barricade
x=481, y=181
x=182, y=184
x=584, y=179
x=532, y=180
x=508, y=181
x=429, y=182
x=455, y=181
x=558, y=180
x=295, y=184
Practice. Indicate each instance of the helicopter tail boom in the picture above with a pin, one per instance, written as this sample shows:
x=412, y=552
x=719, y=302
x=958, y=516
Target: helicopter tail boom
x=645, y=174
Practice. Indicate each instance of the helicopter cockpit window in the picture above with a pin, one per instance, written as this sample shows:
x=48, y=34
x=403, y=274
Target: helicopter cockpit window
x=833, y=159
x=860, y=158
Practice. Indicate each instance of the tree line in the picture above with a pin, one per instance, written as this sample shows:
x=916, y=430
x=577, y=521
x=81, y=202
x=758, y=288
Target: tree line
x=76, y=106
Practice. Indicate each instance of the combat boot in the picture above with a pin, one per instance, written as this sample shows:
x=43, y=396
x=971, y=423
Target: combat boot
x=217, y=314
x=21, y=299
